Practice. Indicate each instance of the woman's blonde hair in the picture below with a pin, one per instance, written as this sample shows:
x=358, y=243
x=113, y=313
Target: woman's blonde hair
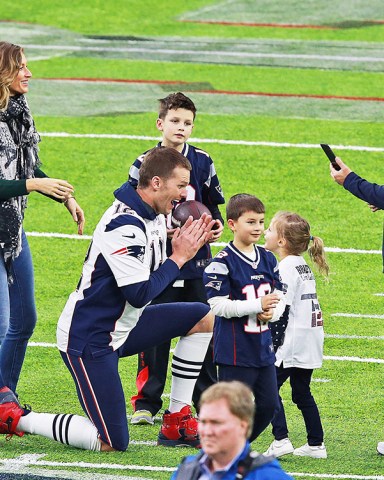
x=10, y=62
x=297, y=233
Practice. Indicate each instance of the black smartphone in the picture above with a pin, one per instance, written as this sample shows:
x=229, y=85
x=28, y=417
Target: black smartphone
x=330, y=154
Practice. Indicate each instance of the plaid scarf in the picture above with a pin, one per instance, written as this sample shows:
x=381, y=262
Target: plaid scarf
x=18, y=160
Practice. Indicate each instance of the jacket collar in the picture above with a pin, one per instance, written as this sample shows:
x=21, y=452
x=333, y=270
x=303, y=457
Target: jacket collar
x=128, y=195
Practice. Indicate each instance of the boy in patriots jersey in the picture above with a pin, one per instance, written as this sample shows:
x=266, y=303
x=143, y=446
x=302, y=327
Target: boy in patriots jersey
x=244, y=292
x=298, y=336
x=108, y=316
x=176, y=120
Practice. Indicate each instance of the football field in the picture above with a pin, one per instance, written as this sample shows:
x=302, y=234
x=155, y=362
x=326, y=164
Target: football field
x=271, y=81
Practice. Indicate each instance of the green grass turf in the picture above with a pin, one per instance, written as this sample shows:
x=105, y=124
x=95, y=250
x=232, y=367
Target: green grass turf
x=228, y=77
x=297, y=179
x=161, y=18
x=275, y=175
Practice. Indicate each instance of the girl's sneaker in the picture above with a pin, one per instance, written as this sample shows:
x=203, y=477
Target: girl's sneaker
x=278, y=448
x=313, y=451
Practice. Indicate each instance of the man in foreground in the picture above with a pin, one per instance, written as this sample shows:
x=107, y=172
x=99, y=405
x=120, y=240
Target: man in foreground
x=225, y=423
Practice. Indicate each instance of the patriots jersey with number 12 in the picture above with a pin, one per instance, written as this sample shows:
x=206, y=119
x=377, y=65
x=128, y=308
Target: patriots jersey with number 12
x=242, y=341
x=128, y=244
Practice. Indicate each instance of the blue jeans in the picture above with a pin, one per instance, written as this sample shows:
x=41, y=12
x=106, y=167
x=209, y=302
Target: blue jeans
x=17, y=315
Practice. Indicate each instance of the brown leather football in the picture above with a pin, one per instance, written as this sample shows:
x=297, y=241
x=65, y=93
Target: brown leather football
x=185, y=209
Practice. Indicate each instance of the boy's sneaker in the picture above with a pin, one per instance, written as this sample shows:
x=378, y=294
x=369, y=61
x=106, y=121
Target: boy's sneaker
x=142, y=417
x=380, y=448
x=10, y=412
x=179, y=429
x=278, y=448
x=318, y=451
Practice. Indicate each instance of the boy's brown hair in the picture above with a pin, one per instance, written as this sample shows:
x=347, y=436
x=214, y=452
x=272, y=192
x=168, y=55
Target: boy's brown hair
x=241, y=203
x=174, y=101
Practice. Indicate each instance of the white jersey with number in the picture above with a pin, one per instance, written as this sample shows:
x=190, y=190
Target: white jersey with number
x=303, y=342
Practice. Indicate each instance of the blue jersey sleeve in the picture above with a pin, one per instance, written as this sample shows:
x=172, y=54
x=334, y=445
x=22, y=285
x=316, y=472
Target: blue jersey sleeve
x=141, y=293
x=133, y=177
x=212, y=192
x=216, y=278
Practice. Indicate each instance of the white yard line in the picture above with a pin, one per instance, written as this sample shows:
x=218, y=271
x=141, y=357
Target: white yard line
x=354, y=359
x=209, y=53
x=342, y=359
x=353, y=337
x=359, y=148
x=215, y=244
x=357, y=315
x=35, y=460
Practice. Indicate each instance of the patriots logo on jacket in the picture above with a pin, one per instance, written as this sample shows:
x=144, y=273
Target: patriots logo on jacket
x=136, y=251
x=216, y=284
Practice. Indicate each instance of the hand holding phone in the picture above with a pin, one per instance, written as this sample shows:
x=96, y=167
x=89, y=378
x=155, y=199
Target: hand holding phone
x=331, y=155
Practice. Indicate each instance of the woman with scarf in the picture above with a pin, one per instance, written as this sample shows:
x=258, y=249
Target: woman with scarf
x=19, y=175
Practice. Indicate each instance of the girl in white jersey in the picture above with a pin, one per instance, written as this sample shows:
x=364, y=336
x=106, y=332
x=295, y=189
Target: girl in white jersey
x=298, y=336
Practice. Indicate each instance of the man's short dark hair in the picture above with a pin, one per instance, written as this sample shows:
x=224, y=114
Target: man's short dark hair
x=161, y=162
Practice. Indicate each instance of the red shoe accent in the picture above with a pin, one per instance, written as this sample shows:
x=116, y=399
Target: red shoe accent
x=10, y=413
x=141, y=380
x=179, y=429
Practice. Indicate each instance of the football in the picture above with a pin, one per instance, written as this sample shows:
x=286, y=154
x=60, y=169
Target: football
x=185, y=209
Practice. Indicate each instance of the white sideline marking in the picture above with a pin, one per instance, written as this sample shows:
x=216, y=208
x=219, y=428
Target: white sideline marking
x=351, y=250
x=148, y=443
x=354, y=337
x=74, y=236
x=59, y=235
x=360, y=148
x=343, y=359
x=342, y=58
x=330, y=475
x=356, y=315
x=354, y=359
x=379, y=294
x=34, y=460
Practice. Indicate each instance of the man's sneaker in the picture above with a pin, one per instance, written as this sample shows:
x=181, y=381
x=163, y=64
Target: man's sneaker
x=318, y=451
x=278, y=448
x=179, y=429
x=142, y=417
x=380, y=448
x=10, y=412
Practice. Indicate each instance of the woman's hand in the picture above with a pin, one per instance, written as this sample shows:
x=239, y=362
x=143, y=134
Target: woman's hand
x=77, y=213
x=54, y=187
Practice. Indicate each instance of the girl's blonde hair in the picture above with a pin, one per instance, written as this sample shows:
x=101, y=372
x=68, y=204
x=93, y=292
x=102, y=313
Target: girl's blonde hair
x=10, y=62
x=297, y=233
